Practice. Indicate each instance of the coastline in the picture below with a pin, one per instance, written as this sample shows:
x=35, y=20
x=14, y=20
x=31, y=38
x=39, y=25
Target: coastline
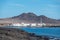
x=15, y=34
x=33, y=35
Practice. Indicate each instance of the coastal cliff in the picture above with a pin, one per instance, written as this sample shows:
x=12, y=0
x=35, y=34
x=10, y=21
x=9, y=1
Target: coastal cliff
x=17, y=34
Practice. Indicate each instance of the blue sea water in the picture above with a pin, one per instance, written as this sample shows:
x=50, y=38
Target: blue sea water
x=41, y=31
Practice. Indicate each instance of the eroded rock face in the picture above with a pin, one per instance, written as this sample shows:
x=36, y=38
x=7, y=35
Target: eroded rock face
x=15, y=34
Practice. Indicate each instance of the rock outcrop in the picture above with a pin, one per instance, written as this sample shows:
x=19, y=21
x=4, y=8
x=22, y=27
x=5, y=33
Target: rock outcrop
x=16, y=34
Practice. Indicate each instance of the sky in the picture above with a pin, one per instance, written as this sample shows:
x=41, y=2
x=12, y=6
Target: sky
x=49, y=8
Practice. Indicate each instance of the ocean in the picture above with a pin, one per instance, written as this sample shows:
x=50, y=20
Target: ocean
x=41, y=31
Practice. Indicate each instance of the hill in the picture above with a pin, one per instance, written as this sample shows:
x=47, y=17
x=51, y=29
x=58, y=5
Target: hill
x=30, y=18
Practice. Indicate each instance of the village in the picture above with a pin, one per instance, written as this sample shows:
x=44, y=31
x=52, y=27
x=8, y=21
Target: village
x=22, y=24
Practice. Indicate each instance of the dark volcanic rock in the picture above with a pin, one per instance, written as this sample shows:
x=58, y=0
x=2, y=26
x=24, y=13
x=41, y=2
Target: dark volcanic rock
x=31, y=17
x=15, y=34
x=47, y=20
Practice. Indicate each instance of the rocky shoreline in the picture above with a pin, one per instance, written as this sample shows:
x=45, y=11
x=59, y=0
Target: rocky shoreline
x=16, y=34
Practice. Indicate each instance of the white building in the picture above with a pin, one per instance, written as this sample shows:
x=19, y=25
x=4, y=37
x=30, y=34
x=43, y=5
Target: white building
x=29, y=24
x=16, y=24
x=41, y=24
x=20, y=24
x=25, y=24
x=33, y=24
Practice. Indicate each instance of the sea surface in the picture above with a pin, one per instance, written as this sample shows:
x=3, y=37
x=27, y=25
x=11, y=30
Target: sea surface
x=41, y=31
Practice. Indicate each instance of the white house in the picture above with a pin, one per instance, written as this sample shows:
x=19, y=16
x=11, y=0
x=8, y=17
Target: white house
x=33, y=24
x=41, y=24
x=16, y=24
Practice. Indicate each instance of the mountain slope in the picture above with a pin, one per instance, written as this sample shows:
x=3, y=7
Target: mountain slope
x=31, y=17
